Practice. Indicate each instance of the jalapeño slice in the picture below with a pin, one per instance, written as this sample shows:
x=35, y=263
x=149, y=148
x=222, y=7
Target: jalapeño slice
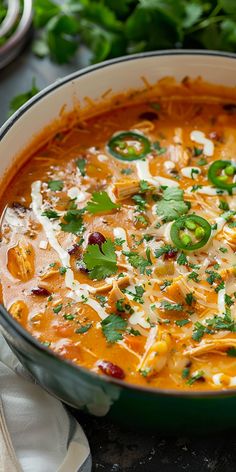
x=129, y=146
x=222, y=180
x=190, y=232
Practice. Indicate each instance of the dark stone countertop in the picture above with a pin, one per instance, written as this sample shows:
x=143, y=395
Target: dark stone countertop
x=113, y=448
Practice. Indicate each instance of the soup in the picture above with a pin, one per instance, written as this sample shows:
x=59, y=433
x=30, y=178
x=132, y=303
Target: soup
x=118, y=243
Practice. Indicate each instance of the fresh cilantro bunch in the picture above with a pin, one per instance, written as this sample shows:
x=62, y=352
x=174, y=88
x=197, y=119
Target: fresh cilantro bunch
x=113, y=28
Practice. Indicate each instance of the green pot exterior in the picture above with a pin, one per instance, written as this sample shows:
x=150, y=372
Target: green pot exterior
x=172, y=413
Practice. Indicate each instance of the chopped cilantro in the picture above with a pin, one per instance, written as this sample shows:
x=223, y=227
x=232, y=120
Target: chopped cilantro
x=55, y=185
x=223, y=205
x=140, y=202
x=137, y=296
x=62, y=270
x=134, y=332
x=101, y=262
x=127, y=171
x=164, y=250
x=197, y=152
x=195, y=187
x=123, y=307
x=74, y=222
x=228, y=300
x=194, y=276
x=83, y=329
x=182, y=259
x=119, y=241
x=57, y=308
x=190, y=298
x=81, y=164
x=102, y=300
x=137, y=261
x=100, y=203
x=69, y=317
x=167, y=306
x=231, y=352
x=202, y=161
x=219, y=287
x=232, y=224
x=199, y=375
x=51, y=214
x=213, y=276
x=223, y=249
x=159, y=149
x=185, y=373
x=172, y=204
x=181, y=323
x=112, y=328
x=144, y=186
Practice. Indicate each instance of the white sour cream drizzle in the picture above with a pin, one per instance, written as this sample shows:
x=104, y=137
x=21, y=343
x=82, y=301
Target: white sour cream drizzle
x=144, y=174
x=79, y=292
x=191, y=172
x=217, y=380
x=200, y=138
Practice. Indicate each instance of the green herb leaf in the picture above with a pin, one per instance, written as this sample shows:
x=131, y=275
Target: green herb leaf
x=101, y=262
x=81, y=164
x=19, y=100
x=74, y=222
x=137, y=261
x=167, y=306
x=55, y=185
x=101, y=203
x=172, y=205
x=83, y=329
x=51, y=214
x=112, y=327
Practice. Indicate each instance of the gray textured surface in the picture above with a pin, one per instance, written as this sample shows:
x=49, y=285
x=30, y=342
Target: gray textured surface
x=113, y=448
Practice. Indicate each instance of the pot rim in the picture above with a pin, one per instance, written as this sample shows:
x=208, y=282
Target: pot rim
x=9, y=321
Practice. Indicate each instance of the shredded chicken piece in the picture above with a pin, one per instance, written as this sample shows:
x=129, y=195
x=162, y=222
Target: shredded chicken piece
x=123, y=189
x=21, y=261
x=211, y=345
x=177, y=153
x=230, y=236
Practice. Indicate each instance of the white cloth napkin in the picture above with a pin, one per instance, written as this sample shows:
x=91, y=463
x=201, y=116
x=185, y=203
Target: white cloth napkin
x=37, y=434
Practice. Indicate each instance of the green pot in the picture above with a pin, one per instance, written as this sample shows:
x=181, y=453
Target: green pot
x=163, y=410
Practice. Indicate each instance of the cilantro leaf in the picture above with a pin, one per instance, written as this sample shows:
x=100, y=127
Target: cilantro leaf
x=182, y=259
x=101, y=262
x=83, y=329
x=81, y=164
x=55, y=185
x=137, y=261
x=51, y=214
x=74, y=222
x=172, y=205
x=167, y=306
x=138, y=295
x=112, y=328
x=22, y=98
x=100, y=203
x=164, y=250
